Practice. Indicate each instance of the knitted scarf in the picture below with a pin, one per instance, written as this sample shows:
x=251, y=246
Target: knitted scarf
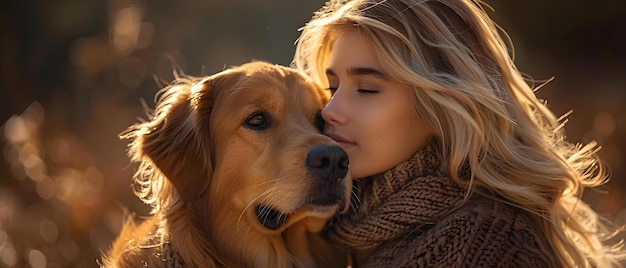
x=415, y=216
x=399, y=201
x=171, y=257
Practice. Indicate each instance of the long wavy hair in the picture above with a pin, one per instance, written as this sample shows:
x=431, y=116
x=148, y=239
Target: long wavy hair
x=485, y=112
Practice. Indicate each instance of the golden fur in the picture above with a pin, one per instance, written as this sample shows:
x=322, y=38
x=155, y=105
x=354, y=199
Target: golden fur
x=237, y=172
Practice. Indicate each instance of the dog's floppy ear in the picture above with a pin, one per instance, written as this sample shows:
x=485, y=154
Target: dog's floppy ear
x=176, y=139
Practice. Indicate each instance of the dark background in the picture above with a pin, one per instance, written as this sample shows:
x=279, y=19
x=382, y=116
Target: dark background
x=73, y=72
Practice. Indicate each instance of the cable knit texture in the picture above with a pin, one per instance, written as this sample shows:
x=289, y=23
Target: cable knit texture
x=414, y=216
x=171, y=257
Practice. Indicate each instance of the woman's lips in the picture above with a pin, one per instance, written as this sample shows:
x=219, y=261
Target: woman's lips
x=343, y=142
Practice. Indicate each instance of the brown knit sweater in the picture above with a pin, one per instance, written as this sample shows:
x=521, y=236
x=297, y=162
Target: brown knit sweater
x=414, y=216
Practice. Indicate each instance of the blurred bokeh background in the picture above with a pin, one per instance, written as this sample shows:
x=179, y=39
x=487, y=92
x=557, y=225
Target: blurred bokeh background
x=73, y=74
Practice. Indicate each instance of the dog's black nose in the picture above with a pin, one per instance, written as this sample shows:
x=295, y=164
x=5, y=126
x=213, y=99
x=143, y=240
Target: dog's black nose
x=328, y=162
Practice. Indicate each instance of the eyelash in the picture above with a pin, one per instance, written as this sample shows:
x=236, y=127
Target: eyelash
x=366, y=91
x=362, y=91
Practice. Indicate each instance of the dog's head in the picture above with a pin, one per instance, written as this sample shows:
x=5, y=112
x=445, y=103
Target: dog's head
x=244, y=143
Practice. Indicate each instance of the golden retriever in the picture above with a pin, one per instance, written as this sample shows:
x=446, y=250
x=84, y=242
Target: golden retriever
x=238, y=174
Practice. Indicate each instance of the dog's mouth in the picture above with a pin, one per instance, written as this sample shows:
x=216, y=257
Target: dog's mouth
x=269, y=217
x=273, y=219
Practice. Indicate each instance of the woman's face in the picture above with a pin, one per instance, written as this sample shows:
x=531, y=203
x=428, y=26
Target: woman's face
x=370, y=115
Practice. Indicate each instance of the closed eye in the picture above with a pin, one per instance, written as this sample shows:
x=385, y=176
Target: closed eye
x=367, y=91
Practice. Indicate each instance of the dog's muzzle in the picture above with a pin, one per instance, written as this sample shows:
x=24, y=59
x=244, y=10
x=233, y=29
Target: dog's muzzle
x=328, y=167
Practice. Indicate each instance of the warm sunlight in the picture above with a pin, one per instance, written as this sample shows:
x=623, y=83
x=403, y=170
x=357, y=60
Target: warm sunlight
x=75, y=74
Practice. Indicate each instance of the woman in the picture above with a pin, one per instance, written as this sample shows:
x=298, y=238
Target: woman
x=458, y=163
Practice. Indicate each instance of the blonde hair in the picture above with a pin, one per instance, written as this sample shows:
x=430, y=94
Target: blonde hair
x=468, y=90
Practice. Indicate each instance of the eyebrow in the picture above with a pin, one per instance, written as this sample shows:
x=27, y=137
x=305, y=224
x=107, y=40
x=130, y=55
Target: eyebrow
x=361, y=71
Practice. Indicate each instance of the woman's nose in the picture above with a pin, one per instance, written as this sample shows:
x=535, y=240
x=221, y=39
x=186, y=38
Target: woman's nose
x=332, y=111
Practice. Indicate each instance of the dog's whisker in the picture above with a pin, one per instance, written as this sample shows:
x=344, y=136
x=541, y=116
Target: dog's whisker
x=265, y=193
x=355, y=201
x=269, y=212
x=257, y=185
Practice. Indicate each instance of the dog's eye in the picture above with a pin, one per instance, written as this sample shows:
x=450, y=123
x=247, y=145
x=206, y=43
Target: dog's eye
x=319, y=122
x=258, y=121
